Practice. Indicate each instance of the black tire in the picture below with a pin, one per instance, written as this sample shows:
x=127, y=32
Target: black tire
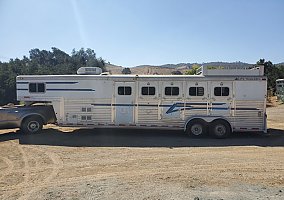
x=196, y=128
x=32, y=125
x=220, y=129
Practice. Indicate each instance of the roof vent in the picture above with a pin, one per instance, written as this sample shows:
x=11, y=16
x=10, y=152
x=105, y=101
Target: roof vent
x=89, y=71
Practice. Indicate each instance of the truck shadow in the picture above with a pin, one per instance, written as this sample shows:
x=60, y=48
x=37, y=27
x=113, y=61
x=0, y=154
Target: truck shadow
x=141, y=138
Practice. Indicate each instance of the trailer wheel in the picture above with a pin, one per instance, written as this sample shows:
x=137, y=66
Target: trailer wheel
x=220, y=129
x=32, y=125
x=196, y=128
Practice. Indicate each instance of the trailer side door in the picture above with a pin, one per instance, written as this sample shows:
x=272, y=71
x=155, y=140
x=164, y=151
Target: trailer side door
x=221, y=98
x=124, y=102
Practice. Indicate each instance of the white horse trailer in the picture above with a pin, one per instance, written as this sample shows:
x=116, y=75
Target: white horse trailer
x=280, y=89
x=216, y=100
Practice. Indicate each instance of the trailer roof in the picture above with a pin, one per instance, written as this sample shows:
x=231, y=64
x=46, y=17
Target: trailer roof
x=115, y=76
x=122, y=78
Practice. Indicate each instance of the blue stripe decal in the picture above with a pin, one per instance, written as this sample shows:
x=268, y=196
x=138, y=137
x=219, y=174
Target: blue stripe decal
x=246, y=109
x=80, y=90
x=100, y=104
x=22, y=89
x=61, y=82
x=173, y=107
x=177, y=106
x=22, y=82
x=141, y=105
x=48, y=82
x=220, y=108
x=218, y=104
x=125, y=105
x=153, y=105
x=148, y=105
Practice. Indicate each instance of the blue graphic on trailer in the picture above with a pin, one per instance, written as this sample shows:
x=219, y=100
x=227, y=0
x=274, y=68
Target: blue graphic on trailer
x=192, y=106
x=176, y=107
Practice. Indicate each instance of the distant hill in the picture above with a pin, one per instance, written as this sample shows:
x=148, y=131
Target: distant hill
x=113, y=69
x=282, y=63
x=169, y=68
x=189, y=65
x=232, y=64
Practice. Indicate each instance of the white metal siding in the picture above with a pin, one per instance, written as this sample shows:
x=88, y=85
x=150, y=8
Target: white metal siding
x=249, y=115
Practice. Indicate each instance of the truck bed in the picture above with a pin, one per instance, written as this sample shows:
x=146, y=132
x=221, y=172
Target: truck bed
x=12, y=116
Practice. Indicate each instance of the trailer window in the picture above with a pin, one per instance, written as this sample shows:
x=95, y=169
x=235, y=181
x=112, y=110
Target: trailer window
x=86, y=109
x=172, y=91
x=148, y=90
x=124, y=90
x=196, y=91
x=36, y=87
x=86, y=118
x=221, y=91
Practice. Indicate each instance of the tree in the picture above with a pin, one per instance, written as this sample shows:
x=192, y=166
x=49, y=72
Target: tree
x=126, y=71
x=272, y=72
x=261, y=61
x=177, y=72
x=193, y=70
x=87, y=58
x=39, y=61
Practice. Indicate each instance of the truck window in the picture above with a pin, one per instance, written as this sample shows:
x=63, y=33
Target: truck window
x=172, y=91
x=196, y=91
x=221, y=91
x=148, y=90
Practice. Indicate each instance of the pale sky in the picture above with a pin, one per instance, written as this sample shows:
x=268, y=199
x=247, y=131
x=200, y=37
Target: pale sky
x=136, y=32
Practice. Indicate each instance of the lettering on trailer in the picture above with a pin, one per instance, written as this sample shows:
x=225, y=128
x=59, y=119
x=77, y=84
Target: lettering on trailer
x=249, y=79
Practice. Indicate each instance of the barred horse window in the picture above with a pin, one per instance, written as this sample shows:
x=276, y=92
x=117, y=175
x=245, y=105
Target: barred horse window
x=172, y=91
x=196, y=91
x=148, y=90
x=221, y=91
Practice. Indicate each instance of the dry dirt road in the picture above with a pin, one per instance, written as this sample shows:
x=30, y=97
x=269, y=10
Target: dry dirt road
x=65, y=163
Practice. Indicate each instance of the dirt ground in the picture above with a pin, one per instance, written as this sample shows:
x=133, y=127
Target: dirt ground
x=66, y=163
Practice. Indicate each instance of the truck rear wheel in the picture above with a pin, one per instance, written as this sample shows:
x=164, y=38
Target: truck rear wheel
x=196, y=128
x=32, y=125
x=220, y=129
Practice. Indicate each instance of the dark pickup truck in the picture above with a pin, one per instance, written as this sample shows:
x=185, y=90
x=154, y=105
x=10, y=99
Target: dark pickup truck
x=29, y=119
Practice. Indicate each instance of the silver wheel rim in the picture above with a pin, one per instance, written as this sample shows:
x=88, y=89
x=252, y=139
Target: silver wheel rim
x=220, y=130
x=33, y=126
x=196, y=129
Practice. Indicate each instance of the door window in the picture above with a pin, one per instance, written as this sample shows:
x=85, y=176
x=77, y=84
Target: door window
x=124, y=90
